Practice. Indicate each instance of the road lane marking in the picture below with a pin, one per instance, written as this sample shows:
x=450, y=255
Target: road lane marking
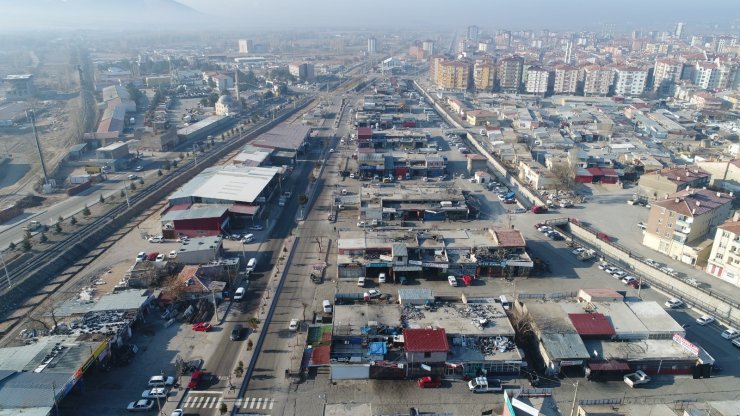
x=259, y=403
x=272, y=402
x=197, y=402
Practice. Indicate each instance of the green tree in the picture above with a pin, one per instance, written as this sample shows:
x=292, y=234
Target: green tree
x=26, y=244
x=250, y=345
x=27, y=235
x=159, y=172
x=58, y=227
x=101, y=199
x=174, y=163
x=43, y=238
x=86, y=211
x=141, y=181
x=60, y=219
x=223, y=409
x=73, y=220
x=11, y=246
x=167, y=165
x=182, y=156
x=132, y=186
x=122, y=193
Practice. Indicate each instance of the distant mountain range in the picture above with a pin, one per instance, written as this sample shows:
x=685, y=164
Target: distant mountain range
x=96, y=14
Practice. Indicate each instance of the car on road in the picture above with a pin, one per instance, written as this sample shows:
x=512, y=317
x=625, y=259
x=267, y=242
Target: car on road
x=674, y=303
x=156, y=239
x=139, y=168
x=161, y=381
x=143, y=405
x=195, y=379
x=239, y=293
x=578, y=251
x=177, y=412
x=155, y=393
x=202, y=327
x=160, y=257
x=172, y=255
x=293, y=326
x=141, y=256
x=704, y=320
x=730, y=333
x=132, y=177
x=653, y=263
x=427, y=382
x=248, y=239
x=256, y=227
x=520, y=211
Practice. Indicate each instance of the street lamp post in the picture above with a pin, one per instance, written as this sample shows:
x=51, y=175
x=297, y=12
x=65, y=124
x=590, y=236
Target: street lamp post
x=7, y=275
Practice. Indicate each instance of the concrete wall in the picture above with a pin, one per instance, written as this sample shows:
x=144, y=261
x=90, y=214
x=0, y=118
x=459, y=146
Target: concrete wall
x=724, y=309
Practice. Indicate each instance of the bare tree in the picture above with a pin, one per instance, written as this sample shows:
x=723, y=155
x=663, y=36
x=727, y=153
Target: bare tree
x=565, y=177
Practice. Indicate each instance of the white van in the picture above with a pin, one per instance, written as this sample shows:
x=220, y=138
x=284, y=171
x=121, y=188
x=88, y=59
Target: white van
x=452, y=280
x=239, y=294
x=248, y=238
x=251, y=265
x=327, y=306
x=381, y=278
x=361, y=281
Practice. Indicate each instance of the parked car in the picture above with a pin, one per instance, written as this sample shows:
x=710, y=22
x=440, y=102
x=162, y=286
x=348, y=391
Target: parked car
x=604, y=265
x=202, y=327
x=619, y=274
x=520, y=211
x=172, y=255
x=236, y=333
x=256, y=227
x=578, y=251
x=704, y=320
x=139, y=168
x=155, y=393
x=177, y=412
x=160, y=257
x=730, y=333
x=239, y=293
x=427, y=382
x=195, y=379
x=293, y=326
x=161, y=381
x=132, y=177
x=156, y=239
x=143, y=405
x=627, y=279
x=248, y=239
x=381, y=278
x=141, y=256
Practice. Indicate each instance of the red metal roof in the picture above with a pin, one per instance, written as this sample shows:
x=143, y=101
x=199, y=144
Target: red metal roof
x=591, y=324
x=364, y=131
x=425, y=340
x=594, y=171
x=320, y=355
x=243, y=209
x=611, y=365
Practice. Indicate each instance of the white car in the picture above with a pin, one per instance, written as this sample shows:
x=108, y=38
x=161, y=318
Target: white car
x=704, y=320
x=673, y=303
x=373, y=293
x=331, y=150
x=172, y=255
x=293, y=326
x=142, y=405
x=578, y=251
x=161, y=381
x=730, y=333
x=177, y=412
x=248, y=239
x=132, y=177
x=653, y=263
x=160, y=257
x=381, y=278
x=619, y=274
x=155, y=393
x=361, y=223
x=156, y=239
x=604, y=266
x=141, y=256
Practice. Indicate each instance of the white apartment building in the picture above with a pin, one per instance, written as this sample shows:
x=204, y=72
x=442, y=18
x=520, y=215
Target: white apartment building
x=666, y=75
x=537, y=79
x=724, y=259
x=629, y=81
x=566, y=79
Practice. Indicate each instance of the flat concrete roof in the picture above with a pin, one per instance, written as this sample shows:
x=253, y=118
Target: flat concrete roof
x=206, y=122
x=123, y=300
x=349, y=319
x=200, y=243
x=564, y=346
x=195, y=212
x=283, y=136
x=655, y=318
x=646, y=349
x=550, y=317
x=460, y=319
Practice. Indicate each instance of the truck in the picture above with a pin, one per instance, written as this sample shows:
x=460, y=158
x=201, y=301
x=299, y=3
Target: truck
x=93, y=169
x=428, y=382
x=539, y=209
x=32, y=226
x=586, y=255
x=638, y=377
x=485, y=385
x=340, y=298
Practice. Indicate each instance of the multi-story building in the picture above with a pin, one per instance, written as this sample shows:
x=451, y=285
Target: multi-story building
x=629, y=81
x=484, y=75
x=724, y=259
x=537, y=80
x=566, y=79
x=473, y=33
x=678, y=31
x=371, y=45
x=246, y=46
x=428, y=47
x=303, y=71
x=434, y=67
x=666, y=75
x=722, y=44
x=675, y=224
x=453, y=75
x=660, y=183
x=714, y=75
x=509, y=74
x=597, y=80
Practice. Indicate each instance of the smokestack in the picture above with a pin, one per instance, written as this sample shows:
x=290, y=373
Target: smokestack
x=236, y=82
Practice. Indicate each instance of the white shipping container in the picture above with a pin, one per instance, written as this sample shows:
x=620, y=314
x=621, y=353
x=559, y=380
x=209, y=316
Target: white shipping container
x=78, y=179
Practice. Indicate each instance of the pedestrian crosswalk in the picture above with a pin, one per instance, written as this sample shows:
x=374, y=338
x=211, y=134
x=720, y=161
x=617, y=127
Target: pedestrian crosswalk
x=213, y=402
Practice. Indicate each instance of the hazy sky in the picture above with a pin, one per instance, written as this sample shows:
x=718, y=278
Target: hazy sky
x=489, y=13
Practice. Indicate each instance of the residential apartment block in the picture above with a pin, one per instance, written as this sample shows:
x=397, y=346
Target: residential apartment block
x=453, y=75
x=597, y=80
x=537, y=80
x=677, y=224
x=484, y=76
x=629, y=81
x=724, y=260
x=666, y=181
x=509, y=74
x=566, y=79
x=666, y=75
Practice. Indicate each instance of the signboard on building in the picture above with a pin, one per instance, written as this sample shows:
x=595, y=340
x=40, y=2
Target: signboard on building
x=686, y=344
x=487, y=263
x=378, y=264
x=415, y=262
x=566, y=363
x=435, y=265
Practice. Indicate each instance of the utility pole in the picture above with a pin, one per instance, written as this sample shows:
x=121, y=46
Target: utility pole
x=215, y=307
x=573, y=407
x=7, y=275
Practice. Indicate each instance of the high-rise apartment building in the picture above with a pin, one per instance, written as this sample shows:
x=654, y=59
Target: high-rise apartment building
x=428, y=47
x=453, y=75
x=537, y=80
x=569, y=52
x=302, y=71
x=629, y=82
x=597, y=80
x=484, y=75
x=721, y=44
x=473, y=33
x=371, y=45
x=678, y=31
x=509, y=74
x=714, y=75
x=566, y=79
x=666, y=75
x=246, y=46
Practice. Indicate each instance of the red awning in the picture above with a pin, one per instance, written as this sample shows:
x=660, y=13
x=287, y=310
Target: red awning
x=609, y=366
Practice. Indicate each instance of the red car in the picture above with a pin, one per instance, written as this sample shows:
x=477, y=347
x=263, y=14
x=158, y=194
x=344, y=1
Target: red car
x=152, y=256
x=195, y=379
x=427, y=382
x=202, y=327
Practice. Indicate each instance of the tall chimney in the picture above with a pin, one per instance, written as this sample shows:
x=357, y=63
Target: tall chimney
x=236, y=82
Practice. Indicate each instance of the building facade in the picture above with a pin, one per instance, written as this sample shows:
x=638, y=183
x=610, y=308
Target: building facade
x=453, y=75
x=509, y=74
x=246, y=46
x=597, y=81
x=724, y=260
x=484, y=76
x=629, y=82
x=566, y=79
x=666, y=75
x=537, y=80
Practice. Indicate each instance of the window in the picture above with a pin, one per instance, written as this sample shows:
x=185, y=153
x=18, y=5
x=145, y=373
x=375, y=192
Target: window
x=427, y=354
x=719, y=256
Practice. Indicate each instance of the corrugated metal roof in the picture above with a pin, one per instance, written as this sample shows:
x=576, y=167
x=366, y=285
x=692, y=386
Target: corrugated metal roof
x=425, y=340
x=592, y=324
x=564, y=346
x=209, y=211
x=23, y=390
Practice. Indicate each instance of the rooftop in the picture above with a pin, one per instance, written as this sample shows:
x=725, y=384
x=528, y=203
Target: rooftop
x=425, y=340
x=283, y=136
x=694, y=202
x=731, y=226
x=647, y=349
x=195, y=212
x=478, y=320
x=228, y=184
x=356, y=320
x=592, y=324
x=200, y=243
